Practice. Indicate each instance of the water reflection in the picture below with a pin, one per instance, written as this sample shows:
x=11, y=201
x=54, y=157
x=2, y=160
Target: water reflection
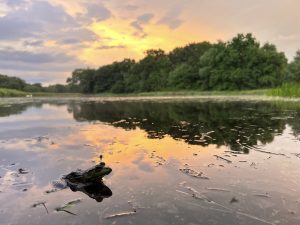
x=170, y=162
x=239, y=125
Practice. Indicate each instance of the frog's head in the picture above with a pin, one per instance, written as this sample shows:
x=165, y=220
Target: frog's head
x=105, y=171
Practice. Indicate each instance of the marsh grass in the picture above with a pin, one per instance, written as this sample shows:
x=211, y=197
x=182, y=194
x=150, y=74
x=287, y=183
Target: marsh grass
x=286, y=90
x=11, y=93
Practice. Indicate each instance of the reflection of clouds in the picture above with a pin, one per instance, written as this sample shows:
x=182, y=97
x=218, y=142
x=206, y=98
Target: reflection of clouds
x=145, y=170
x=142, y=164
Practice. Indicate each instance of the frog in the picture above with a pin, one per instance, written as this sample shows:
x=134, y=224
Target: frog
x=89, y=181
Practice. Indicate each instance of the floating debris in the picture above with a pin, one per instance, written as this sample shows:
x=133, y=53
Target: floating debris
x=23, y=171
x=296, y=154
x=234, y=200
x=217, y=189
x=193, y=173
x=68, y=205
x=226, y=160
x=41, y=138
x=267, y=152
x=120, y=214
x=89, y=145
x=39, y=204
x=263, y=195
x=51, y=191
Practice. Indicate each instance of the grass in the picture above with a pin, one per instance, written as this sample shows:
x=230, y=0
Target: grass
x=286, y=90
x=11, y=93
x=50, y=94
x=186, y=93
x=205, y=93
x=4, y=92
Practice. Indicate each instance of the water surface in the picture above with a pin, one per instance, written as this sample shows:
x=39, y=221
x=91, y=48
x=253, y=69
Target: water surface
x=174, y=161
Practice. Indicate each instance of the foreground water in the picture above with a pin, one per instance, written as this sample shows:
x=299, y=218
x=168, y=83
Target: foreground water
x=174, y=161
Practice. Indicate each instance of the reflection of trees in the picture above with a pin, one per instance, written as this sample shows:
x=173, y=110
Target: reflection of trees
x=239, y=125
x=13, y=109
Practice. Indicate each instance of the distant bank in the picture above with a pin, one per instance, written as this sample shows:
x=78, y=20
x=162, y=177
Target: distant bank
x=286, y=90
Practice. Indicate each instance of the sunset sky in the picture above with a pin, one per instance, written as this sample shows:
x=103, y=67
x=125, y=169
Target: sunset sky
x=43, y=41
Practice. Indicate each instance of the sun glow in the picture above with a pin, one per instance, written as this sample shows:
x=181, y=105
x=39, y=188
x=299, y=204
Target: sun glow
x=117, y=39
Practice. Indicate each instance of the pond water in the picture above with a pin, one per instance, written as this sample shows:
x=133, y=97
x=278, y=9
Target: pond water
x=184, y=161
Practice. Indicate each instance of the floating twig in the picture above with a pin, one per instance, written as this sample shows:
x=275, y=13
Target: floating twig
x=194, y=173
x=263, y=195
x=217, y=189
x=267, y=152
x=40, y=203
x=68, y=205
x=226, y=160
x=120, y=214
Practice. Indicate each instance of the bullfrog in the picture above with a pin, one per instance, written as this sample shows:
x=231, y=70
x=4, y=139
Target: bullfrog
x=89, y=182
x=91, y=175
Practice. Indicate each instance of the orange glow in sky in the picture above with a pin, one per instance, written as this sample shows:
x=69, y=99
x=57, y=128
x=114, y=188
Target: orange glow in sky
x=51, y=38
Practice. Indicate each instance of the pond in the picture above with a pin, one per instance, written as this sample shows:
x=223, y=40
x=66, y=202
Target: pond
x=181, y=161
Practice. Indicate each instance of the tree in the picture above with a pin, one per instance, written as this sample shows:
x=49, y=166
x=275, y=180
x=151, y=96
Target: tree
x=183, y=77
x=12, y=82
x=294, y=69
x=241, y=64
x=150, y=73
x=82, y=80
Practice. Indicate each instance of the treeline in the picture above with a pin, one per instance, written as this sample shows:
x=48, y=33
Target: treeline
x=19, y=84
x=239, y=64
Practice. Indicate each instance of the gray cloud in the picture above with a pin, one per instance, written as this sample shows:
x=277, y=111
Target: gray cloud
x=30, y=57
x=33, y=43
x=105, y=47
x=172, y=18
x=15, y=2
x=95, y=12
x=32, y=25
x=41, y=18
x=14, y=28
x=139, y=22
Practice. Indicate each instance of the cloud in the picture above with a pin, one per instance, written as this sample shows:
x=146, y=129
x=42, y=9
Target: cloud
x=15, y=28
x=172, y=18
x=40, y=19
x=15, y=2
x=45, y=66
x=33, y=43
x=31, y=57
x=105, y=47
x=139, y=22
x=50, y=37
x=97, y=12
x=31, y=28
